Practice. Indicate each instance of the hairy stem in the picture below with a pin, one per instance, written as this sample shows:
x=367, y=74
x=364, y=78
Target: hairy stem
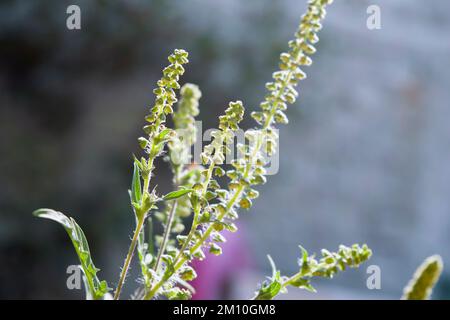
x=139, y=224
x=129, y=257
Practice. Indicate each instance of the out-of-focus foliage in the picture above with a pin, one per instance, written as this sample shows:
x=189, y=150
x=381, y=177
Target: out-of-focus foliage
x=426, y=276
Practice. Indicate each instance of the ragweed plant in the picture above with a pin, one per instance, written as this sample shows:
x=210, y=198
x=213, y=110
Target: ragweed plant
x=197, y=192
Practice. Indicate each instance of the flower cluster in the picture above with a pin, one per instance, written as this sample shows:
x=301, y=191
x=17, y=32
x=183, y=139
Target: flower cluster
x=207, y=202
x=184, y=174
x=184, y=124
x=214, y=207
x=165, y=98
x=330, y=264
x=216, y=151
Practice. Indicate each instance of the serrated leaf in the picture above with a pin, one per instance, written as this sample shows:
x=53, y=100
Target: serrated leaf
x=96, y=288
x=176, y=194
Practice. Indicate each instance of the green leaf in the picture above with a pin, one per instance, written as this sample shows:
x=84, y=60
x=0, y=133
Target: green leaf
x=136, y=189
x=270, y=288
x=163, y=135
x=96, y=288
x=303, y=262
x=176, y=194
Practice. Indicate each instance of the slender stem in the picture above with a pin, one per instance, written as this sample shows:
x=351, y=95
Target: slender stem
x=126, y=265
x=137, y=231
x=166, y=235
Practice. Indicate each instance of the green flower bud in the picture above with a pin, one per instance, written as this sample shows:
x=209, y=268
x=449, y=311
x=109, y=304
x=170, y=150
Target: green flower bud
x=245, y=203
x=143, y=142
x=217, y=237
x=188, y=273
x=215, y=249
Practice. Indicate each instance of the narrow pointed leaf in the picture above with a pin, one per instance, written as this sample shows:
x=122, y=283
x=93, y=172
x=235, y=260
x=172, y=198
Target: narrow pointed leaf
x=136, y=189
x=176, y=194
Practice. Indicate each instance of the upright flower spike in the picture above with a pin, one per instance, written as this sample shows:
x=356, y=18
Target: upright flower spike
x=205, y=209
x=157, y=137
x=262, y=142
x=179, y=157
x=165, y=99
x=185, y=175
x=184, y=117
x=184, y=124
x=250, y=170
x=281, y=91
x=424, y=279
x=157, y=132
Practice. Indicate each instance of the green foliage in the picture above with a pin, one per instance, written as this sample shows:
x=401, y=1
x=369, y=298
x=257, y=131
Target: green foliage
x=424, y=279
x=270, y=288
x=136, y=188
x=96, y=289
x=326, y=267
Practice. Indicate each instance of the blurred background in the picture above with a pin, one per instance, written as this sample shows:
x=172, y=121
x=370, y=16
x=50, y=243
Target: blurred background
x=365, y=157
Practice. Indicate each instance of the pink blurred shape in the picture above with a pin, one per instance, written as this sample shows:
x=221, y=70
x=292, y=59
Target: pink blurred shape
x=216, y=273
